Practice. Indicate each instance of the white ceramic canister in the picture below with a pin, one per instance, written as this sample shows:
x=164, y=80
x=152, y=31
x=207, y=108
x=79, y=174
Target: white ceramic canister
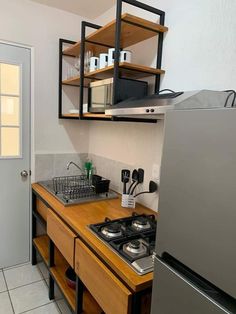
x=125, y=56
x=93, y=64
x=111, y=56
x=103, y=60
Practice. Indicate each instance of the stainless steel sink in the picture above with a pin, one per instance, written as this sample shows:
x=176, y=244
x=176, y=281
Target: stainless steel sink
x=71, y=190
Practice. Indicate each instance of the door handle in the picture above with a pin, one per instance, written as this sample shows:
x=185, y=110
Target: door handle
x=24, y=174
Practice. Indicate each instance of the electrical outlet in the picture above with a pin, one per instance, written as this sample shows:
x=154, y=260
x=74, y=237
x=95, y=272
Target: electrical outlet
x=156, y=172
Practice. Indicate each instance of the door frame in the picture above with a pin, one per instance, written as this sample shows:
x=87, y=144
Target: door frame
x=32, y=125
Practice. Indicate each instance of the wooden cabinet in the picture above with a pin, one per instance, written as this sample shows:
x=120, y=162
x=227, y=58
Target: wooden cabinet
x=62, y=236
x=110, y=293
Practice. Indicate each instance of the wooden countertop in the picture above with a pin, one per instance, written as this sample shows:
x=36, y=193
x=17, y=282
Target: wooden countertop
x=78, y=217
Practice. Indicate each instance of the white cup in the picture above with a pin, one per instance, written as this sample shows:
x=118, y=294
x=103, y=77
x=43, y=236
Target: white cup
x=103, y=60
x=111, y=56
x=125, y=56
x=93, y=64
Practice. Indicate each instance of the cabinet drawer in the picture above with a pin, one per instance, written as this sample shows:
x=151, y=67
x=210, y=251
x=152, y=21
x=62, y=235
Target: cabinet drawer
x=105, y=287
x=62, y=236
x=42, y=209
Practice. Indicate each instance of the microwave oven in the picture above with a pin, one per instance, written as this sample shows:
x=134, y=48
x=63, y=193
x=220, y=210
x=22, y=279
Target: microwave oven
x=101, y=93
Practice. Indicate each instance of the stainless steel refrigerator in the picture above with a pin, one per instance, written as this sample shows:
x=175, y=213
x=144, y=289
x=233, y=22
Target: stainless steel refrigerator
x=195, y=263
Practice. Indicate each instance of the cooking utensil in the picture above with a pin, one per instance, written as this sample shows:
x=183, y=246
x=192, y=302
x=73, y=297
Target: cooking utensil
x=125, y=175
x=134, y=179
x=70, y=278
x=152, y=188
x=139, y=181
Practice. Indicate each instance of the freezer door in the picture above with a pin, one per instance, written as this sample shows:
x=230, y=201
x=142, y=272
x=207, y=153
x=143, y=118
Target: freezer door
x=197, y=209
x=174, y=295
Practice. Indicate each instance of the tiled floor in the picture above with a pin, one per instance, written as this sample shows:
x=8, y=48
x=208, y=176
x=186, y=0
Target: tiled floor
x=23, y=289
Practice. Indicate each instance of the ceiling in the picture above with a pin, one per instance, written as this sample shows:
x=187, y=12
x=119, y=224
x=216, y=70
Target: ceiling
x=86, y=8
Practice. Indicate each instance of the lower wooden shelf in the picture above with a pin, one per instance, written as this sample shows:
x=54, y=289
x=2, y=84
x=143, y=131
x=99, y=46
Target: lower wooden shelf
x=90, y=306
x=42, y=245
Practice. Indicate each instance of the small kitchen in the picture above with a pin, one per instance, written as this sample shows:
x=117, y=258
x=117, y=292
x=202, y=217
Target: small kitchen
x=117, y=138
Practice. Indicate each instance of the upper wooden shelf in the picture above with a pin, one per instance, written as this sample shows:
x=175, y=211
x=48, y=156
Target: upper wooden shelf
x=128, y=70
x=133, y=30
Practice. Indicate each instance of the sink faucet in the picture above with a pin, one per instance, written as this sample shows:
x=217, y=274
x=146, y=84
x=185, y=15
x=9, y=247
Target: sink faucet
x=73, y=163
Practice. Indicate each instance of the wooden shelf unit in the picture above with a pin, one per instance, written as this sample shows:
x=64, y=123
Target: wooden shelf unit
x=133, y=30
x=124, y=31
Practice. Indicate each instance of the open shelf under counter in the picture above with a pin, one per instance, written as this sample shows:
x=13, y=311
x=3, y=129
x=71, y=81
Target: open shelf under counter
x=133, y=30
x=90, y=306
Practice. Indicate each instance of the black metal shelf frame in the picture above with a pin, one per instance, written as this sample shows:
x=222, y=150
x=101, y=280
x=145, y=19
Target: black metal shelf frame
x=116, y=74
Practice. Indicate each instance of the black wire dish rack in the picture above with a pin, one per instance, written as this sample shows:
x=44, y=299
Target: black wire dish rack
x=77, y=187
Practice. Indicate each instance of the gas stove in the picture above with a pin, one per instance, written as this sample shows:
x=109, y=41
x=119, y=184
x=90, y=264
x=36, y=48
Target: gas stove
x=132, y=238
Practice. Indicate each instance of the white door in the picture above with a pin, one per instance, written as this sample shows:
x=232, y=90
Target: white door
x=14, y=155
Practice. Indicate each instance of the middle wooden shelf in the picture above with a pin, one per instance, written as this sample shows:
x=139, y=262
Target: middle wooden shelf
x=127, y=70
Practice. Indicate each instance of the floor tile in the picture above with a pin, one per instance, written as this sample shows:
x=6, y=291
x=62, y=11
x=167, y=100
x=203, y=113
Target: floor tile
x=5, y=304
x=29, y=297
x=23, y=275
x=18, y=265
x=3, y=286
x=43, y=269
x=46, y=309
x=63, y=307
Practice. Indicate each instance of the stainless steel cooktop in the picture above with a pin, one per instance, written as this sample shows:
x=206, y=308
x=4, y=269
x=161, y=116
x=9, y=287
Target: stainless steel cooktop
x=132, y=238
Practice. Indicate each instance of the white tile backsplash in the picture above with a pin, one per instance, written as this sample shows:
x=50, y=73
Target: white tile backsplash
x=48, y=166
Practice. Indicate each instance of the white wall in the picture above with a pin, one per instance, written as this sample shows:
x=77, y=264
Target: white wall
x=199, y=52
x=39, y=26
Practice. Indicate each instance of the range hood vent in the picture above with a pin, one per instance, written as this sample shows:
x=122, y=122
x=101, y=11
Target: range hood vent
x=155, y=106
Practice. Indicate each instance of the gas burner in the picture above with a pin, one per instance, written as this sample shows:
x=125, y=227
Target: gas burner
x=134, y=248
x=141, y=223
x=112, y=230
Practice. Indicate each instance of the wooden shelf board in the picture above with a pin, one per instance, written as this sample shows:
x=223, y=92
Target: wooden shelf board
x=128, y=70
x=75, y=81
x=42, y=244
x=133, y=30
x=70, y=115
x=58, y=273
x=96, y=115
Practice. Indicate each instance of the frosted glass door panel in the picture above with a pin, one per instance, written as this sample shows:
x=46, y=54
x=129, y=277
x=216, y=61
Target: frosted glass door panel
x=10, y=79
x=10, y=109
x=10, y=142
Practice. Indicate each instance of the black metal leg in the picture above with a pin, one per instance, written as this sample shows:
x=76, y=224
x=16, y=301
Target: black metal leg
x=34, y=254
x=136, y=304
x=79, y=296
x=51, y=253
x=51, y=288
